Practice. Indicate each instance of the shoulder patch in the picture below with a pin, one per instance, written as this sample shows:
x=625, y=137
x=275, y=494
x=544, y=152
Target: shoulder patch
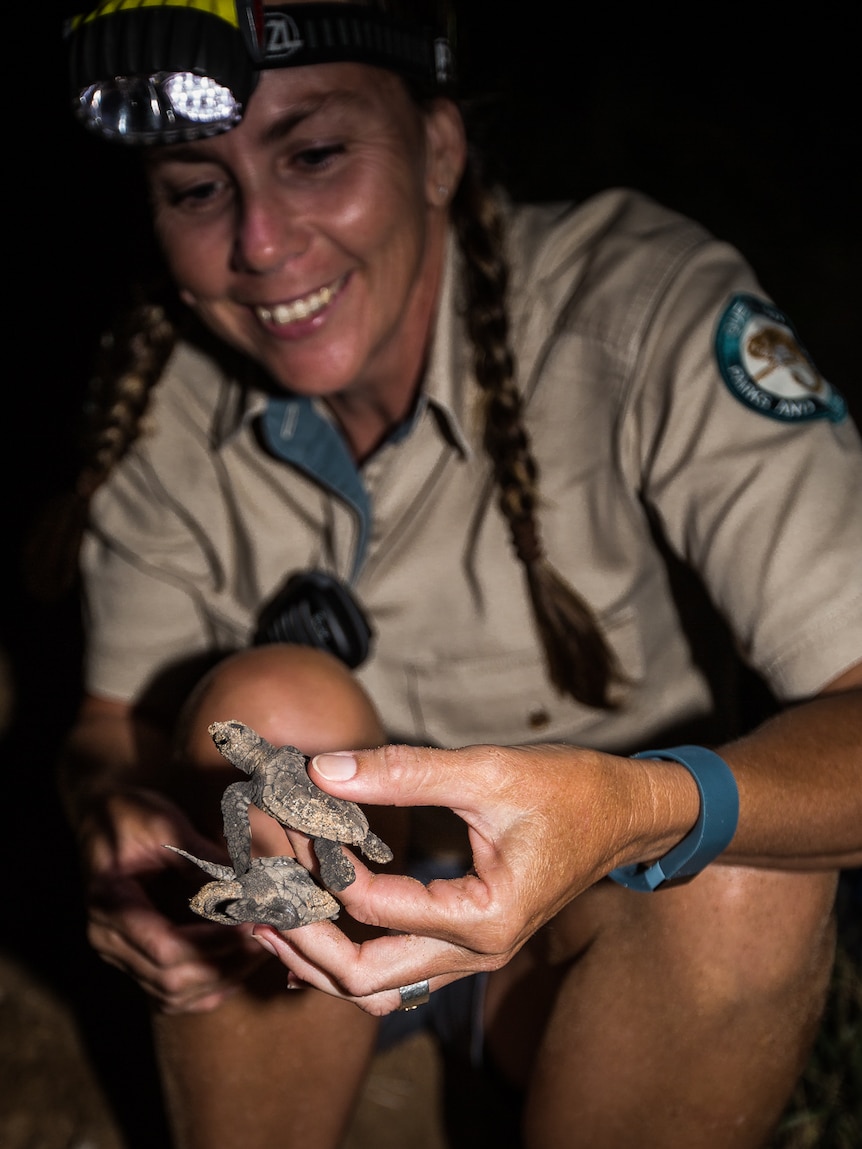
x=767, y=368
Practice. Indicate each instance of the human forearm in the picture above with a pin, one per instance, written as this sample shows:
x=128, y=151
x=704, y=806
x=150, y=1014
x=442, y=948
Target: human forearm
x=800, y=784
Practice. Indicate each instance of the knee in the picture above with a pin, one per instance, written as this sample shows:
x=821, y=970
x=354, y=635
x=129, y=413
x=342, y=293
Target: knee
x=770, y=938
x=292, y=695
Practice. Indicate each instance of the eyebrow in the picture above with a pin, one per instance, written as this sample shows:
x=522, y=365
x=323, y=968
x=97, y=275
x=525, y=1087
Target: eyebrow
x=279, y=129
x=282, y=126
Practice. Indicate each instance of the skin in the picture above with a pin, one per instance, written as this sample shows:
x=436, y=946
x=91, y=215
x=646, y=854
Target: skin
x=334, y=181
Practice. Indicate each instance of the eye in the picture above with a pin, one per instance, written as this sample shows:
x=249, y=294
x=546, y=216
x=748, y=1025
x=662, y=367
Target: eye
x=186, y=187
x=195, y=195
x=319, y=157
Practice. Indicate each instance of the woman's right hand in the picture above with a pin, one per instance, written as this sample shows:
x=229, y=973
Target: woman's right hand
x=138, y=914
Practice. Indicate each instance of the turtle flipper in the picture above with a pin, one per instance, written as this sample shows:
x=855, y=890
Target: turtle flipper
x=214, y=870
x=336, y=869
x=375, y=848
x=237, y=830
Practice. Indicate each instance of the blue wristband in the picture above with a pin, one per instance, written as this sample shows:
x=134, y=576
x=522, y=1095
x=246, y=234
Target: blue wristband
x=713, y=831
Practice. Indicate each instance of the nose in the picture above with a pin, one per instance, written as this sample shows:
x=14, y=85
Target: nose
x=268, y=234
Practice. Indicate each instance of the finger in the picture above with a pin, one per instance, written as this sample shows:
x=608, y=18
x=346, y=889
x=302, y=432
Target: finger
x=198, y=989
x=408, y=775
x=186, y=984
x=362, y=968
x=173, y=962
x=369, y=980
x=302, y=848
x=469, y=912
x=155, y=938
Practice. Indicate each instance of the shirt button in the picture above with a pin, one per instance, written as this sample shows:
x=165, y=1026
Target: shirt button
x=538, y=719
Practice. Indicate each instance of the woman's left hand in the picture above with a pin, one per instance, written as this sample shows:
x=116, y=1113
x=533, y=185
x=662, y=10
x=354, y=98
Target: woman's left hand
x=544, y=824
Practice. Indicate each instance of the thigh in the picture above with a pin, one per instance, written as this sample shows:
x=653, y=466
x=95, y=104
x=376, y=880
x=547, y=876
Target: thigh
x=666, y=1015
x=270, y=1067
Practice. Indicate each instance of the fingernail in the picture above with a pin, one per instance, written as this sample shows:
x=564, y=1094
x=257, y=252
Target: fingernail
x=266, y=944
x=337, y=767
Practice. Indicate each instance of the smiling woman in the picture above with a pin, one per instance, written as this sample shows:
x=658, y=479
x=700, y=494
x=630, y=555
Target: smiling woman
x=379, y=378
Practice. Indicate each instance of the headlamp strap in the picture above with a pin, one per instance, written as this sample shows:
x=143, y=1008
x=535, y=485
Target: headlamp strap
x=298, y=34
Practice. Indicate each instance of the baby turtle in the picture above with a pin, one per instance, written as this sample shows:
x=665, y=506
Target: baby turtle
x=277, y=891
x=278, y=784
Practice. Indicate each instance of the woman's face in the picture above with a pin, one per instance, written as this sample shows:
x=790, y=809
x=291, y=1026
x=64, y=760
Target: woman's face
x=311, y=235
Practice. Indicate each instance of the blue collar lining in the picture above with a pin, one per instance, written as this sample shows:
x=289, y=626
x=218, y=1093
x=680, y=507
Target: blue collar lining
x=295, y=432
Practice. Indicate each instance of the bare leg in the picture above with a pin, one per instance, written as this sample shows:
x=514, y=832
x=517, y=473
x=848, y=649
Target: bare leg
x=275, y=1069
x=270, y=1067
x=685, y=1021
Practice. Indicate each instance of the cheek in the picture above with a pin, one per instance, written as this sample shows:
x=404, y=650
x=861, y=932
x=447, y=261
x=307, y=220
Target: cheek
x=193, y=258
x=384, y=222
x=377, y=198
x=191, y=274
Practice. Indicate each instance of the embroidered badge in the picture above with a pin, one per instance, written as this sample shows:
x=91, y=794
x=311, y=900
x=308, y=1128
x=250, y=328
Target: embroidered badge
x=766, y=367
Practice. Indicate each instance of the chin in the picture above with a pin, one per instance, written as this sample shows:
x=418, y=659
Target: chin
x=309, y=377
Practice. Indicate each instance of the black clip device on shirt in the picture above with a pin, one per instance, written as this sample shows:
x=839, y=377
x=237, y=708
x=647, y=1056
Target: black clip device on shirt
x=315, y=609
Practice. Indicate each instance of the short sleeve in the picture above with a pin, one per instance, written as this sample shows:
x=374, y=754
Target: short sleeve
x=143, y=571
x=754, y=486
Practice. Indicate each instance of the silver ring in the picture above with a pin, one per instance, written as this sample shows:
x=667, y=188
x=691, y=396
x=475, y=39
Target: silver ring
x=412, y=996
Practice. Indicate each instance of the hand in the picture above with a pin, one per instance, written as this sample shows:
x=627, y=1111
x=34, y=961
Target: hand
x=544, y=824
x=136, y=887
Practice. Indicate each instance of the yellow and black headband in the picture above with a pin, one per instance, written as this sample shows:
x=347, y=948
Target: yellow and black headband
x=160, y=71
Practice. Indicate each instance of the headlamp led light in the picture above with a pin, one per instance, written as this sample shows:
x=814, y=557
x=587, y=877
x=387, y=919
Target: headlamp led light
x=160, y=71
x=148, y=73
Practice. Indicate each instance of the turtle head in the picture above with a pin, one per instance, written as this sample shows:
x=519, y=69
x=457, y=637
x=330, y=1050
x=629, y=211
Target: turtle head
x=236, y=742
x=215, y=901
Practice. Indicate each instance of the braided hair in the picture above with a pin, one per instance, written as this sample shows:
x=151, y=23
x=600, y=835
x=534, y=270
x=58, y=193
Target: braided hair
x=579, y=661
x=130, y=360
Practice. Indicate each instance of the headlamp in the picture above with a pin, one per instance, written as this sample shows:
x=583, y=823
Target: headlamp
x=160, y=71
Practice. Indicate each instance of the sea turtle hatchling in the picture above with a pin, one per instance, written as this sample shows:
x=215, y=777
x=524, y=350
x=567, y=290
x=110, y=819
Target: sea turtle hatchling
x=278, y=784
x=277, y=891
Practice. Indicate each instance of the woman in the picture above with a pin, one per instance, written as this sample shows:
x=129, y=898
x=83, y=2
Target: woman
x=394, y=377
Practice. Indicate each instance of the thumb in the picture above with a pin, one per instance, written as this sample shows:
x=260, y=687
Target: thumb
x=392, y=775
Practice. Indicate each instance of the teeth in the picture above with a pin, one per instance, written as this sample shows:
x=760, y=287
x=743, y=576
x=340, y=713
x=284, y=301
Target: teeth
x=299, y=309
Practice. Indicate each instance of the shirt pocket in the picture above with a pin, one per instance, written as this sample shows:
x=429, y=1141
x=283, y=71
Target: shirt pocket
x=507, y=699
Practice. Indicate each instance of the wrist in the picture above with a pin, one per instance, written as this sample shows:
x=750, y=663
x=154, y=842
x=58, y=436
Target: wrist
x=714, y=820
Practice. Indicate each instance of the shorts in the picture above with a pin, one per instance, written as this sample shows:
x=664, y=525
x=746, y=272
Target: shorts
x=453, y=1015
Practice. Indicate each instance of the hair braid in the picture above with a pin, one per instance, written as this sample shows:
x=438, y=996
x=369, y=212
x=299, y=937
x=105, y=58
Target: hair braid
x=579, y=660
x=130, y=362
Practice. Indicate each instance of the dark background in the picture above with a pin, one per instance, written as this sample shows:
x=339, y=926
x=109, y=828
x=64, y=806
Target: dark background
x=745, y=121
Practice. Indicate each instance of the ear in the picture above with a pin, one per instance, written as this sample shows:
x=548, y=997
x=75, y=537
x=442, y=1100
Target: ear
x=446, y=151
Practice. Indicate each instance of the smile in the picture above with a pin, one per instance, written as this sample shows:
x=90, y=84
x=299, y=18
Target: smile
x=297, y=309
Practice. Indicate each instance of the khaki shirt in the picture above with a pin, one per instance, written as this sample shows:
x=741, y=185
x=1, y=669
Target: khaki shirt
x=651, y=464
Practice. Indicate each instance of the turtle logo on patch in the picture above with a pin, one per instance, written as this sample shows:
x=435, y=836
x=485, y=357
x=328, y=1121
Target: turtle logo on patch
x=766, y=367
